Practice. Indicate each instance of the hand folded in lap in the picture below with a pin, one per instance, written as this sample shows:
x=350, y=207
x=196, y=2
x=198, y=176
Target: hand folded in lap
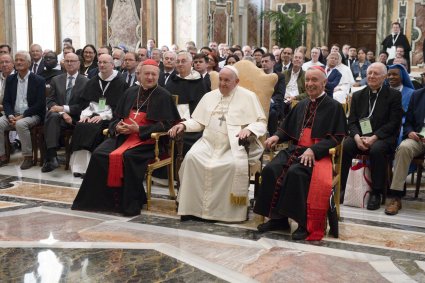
x=360, y=143
x=307, y=158
x=67, y=118
x=271, y=142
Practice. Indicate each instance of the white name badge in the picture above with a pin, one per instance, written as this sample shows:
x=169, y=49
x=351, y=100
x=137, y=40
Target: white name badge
x=102, y=104
x=365, y=126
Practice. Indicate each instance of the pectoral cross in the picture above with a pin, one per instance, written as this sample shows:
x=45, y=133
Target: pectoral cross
x=222, y=119
x=136, y=114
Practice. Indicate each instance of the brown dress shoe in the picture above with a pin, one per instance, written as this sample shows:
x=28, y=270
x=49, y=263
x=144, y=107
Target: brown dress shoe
x=393, y=206
x=27, y=164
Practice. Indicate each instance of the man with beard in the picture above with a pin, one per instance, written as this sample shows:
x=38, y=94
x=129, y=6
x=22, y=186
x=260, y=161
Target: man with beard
x=114, y=180
x=297, y=183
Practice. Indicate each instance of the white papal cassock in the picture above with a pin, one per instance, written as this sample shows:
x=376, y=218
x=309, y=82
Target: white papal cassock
x=214, y=173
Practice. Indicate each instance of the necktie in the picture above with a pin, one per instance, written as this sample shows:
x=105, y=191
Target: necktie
x=328, y=70
x=285, y=68
x=128, y=78
x=34, y=69
x=68, y=90
x=166, y=75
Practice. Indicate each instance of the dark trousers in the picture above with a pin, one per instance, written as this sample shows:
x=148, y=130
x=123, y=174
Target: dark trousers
x=53, y=125
x=378, y=158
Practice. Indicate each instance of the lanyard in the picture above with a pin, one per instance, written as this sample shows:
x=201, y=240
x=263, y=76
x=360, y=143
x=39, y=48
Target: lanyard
x=374, y=103
x=101, y=87
x=395, y=39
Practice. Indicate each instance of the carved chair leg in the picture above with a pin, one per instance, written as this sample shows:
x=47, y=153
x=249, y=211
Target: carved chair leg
x=148, y=188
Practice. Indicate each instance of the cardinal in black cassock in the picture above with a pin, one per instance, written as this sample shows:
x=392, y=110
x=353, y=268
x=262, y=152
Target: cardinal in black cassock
x=291, y=189
x=114, y=178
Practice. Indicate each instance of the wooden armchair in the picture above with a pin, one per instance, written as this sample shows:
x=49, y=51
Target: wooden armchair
x=161, y=160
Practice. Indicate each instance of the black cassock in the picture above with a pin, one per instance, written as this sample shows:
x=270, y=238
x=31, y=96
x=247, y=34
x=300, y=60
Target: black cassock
x=189, y=91
x=287, y=195
x=94, y=193
x=89, y=135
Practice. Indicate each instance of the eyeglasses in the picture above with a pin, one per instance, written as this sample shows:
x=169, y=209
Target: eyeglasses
x=103, y=62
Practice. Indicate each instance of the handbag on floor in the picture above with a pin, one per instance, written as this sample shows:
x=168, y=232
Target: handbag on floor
x=358, y=188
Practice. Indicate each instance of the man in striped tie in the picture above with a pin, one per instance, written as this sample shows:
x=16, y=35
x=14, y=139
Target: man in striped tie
x=63, y=107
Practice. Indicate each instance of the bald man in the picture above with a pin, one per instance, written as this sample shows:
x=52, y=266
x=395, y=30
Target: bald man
x=63, y=105
x=214, y=173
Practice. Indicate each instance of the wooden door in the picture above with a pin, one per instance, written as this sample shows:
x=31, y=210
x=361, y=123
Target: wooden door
x=353, y=22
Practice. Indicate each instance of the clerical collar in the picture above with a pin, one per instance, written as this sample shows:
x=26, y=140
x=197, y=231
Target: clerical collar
x=146, y=91
x=320, y=97
x=110, y=78
x=375, y=91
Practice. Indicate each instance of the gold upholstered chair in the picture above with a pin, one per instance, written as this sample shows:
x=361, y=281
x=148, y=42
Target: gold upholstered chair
x=253, y=78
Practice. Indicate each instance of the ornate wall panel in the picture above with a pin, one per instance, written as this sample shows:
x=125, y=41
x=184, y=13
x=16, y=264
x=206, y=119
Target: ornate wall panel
x=418, y=33
x=123, y=24
x=221, y=21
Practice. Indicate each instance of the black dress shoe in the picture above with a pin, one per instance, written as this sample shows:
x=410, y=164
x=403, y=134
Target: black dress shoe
x=300, y=234
x=374, y=202
x=274, y=225
x=27, y=163
x=76, y=174
x=49, y=166
x=333, y=222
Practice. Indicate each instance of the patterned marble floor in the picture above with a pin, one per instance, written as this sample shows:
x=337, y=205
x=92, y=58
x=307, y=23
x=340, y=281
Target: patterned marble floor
x=42, y=240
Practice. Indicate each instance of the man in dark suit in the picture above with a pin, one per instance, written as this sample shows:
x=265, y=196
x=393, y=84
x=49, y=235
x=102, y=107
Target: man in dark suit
x=169, y=61
x=37, y=62
x=374, y=124
x=276, y=104
x=397, y=38
x=131, y=61
x=63, y=106
x=200, y=64
x=24, y=106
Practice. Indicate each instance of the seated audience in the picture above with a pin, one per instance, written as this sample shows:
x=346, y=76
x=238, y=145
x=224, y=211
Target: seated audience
x=130, y=63
x=37, y=62
x=7, y=69
x=285, y=60
x=190, y=87
x=352, y=56
x=231, y=60
x=412, y=146
x=213, y=63
x=399, y=79
x=24, y=105
x=169, y=61
x=89, y=55
x=50, y=63
x=383, y=57
x=374, y=123
x=314, y=53
x=370, y=56
x=200, y=64
x=276, y=111
x=99, y=100
x=63, y=105
x=297, y=183
x=257, y=55
x=342, y=90
x=214, y=174
x=114, y=180
x=332, y=74
x=359, y=67
x=295, y=80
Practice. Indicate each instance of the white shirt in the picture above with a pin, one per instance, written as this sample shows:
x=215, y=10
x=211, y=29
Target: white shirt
x=21, y=103
x=66, y=107
x=292, y=86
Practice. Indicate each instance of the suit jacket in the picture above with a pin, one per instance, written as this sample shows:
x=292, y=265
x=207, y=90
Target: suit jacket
x=278, y=68
x=278, y=95
x=333, y=80
x=161, y=79
x=58, y=94
x=300, y=82
x=40, y=68
x=35, y=95
x=386, y=117
x=125, y=74
x=415, y=114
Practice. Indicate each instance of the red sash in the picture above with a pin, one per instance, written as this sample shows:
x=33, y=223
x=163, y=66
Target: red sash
x=115, y=172
x=319, y=191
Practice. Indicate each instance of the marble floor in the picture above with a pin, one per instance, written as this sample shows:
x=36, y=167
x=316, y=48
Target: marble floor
x=42, y=240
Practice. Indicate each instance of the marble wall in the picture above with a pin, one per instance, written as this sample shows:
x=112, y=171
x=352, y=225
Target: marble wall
x=123, y=24
x=70, y=24
x=418, y=34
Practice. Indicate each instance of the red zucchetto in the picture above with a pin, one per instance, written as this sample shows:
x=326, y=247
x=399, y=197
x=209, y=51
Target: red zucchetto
x=150, y=62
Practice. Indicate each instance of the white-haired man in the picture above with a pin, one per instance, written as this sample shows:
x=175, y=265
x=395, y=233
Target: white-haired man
x=214, y=174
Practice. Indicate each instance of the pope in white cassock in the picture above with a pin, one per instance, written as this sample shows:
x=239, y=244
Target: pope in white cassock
x=214, y=173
